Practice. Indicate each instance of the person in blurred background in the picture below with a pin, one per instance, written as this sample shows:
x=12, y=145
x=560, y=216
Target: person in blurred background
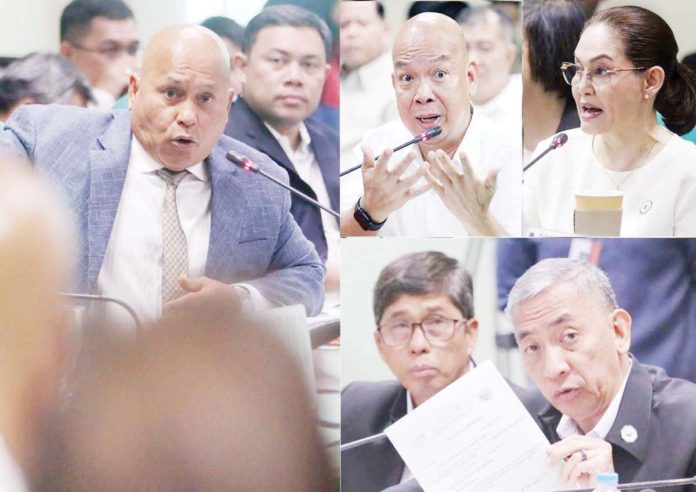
x=36, y=249
x=99, y=36
x=451, y=9
x=489, y=35
x=203, y=407
x=367, y=96
x=550, y=32
x=233, y=35
x=41, y=78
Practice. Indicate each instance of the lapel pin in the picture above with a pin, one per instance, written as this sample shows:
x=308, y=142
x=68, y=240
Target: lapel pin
x=629, y=433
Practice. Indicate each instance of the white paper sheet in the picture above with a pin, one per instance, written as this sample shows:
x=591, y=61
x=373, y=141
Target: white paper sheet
x=475, y=436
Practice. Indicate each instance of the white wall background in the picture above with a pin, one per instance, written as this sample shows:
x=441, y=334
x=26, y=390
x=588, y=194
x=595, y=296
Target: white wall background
x=33, y=25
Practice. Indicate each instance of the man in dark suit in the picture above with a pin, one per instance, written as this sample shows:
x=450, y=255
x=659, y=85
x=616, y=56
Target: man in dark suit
x=160, y=244
x=606, y=411
x=285, y=66
x=426, y=333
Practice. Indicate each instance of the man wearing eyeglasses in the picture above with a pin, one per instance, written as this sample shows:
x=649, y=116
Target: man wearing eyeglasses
x=426, y=333
x=99, y=36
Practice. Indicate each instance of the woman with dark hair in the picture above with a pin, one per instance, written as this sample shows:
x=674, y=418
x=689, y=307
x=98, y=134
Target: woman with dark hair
x=625, y=69
x=550, y=32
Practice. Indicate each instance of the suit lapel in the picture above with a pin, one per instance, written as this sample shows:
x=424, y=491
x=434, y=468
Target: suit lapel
x=632, y=421
x=262, y=139
x=226, y=206
x=107, y=169
x=327, y=159
x=634, y=411
x=393, y=464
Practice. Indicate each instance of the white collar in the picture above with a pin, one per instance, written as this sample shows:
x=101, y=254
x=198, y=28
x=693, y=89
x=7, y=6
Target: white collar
x=142, y=162
x=305, y=139
x=567, y=426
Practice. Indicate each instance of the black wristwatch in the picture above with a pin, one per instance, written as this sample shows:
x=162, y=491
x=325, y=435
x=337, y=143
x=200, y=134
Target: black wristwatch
x=363, y=218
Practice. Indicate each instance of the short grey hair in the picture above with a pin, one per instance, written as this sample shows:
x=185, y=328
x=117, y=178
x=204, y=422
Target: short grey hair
x=587, y=278
x=44, y=77
x=479, y=15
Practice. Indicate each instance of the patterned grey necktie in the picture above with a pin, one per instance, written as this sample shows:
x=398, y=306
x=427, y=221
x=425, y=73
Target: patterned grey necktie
x=174, y=248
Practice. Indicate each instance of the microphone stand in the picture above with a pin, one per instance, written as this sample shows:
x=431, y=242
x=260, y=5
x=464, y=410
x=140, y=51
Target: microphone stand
x=362, y=441
x=93, y=297
x=245, y=163
x=558, y=141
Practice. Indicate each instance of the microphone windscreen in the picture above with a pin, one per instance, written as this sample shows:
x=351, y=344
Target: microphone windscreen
x=432, y=133
x=559, y=140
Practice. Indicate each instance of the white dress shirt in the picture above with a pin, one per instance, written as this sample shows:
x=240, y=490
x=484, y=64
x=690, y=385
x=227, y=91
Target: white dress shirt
x=305, y=163
x=101, y=100
x=132, y=266
x=367, y=101
x=567, y=426
x=505, y=110
x=426, y=215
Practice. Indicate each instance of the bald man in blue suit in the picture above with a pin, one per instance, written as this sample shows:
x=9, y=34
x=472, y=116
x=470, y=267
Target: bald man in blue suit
x=178, y=112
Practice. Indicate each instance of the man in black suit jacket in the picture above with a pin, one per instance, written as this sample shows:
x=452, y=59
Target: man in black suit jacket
x=602, y=410
x=285, y=66
x=426, y=333
x=606, y=411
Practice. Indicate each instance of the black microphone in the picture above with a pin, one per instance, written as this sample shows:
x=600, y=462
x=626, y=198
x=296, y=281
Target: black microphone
x=557, y=142
x=93, y=297
x=362, y=441
x=245, y=163
x=656, y=484
x=423, y=137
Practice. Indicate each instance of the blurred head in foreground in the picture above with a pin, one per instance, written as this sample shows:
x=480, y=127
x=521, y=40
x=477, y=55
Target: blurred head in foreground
x=220, y=408
x=35, y=252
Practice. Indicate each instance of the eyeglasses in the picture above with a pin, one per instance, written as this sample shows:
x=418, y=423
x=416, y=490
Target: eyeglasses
x=435, y=329
x=599, y=76
x=112, y=50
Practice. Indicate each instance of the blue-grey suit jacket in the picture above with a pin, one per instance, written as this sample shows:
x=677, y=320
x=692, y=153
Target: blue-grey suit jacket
x=253, y=237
